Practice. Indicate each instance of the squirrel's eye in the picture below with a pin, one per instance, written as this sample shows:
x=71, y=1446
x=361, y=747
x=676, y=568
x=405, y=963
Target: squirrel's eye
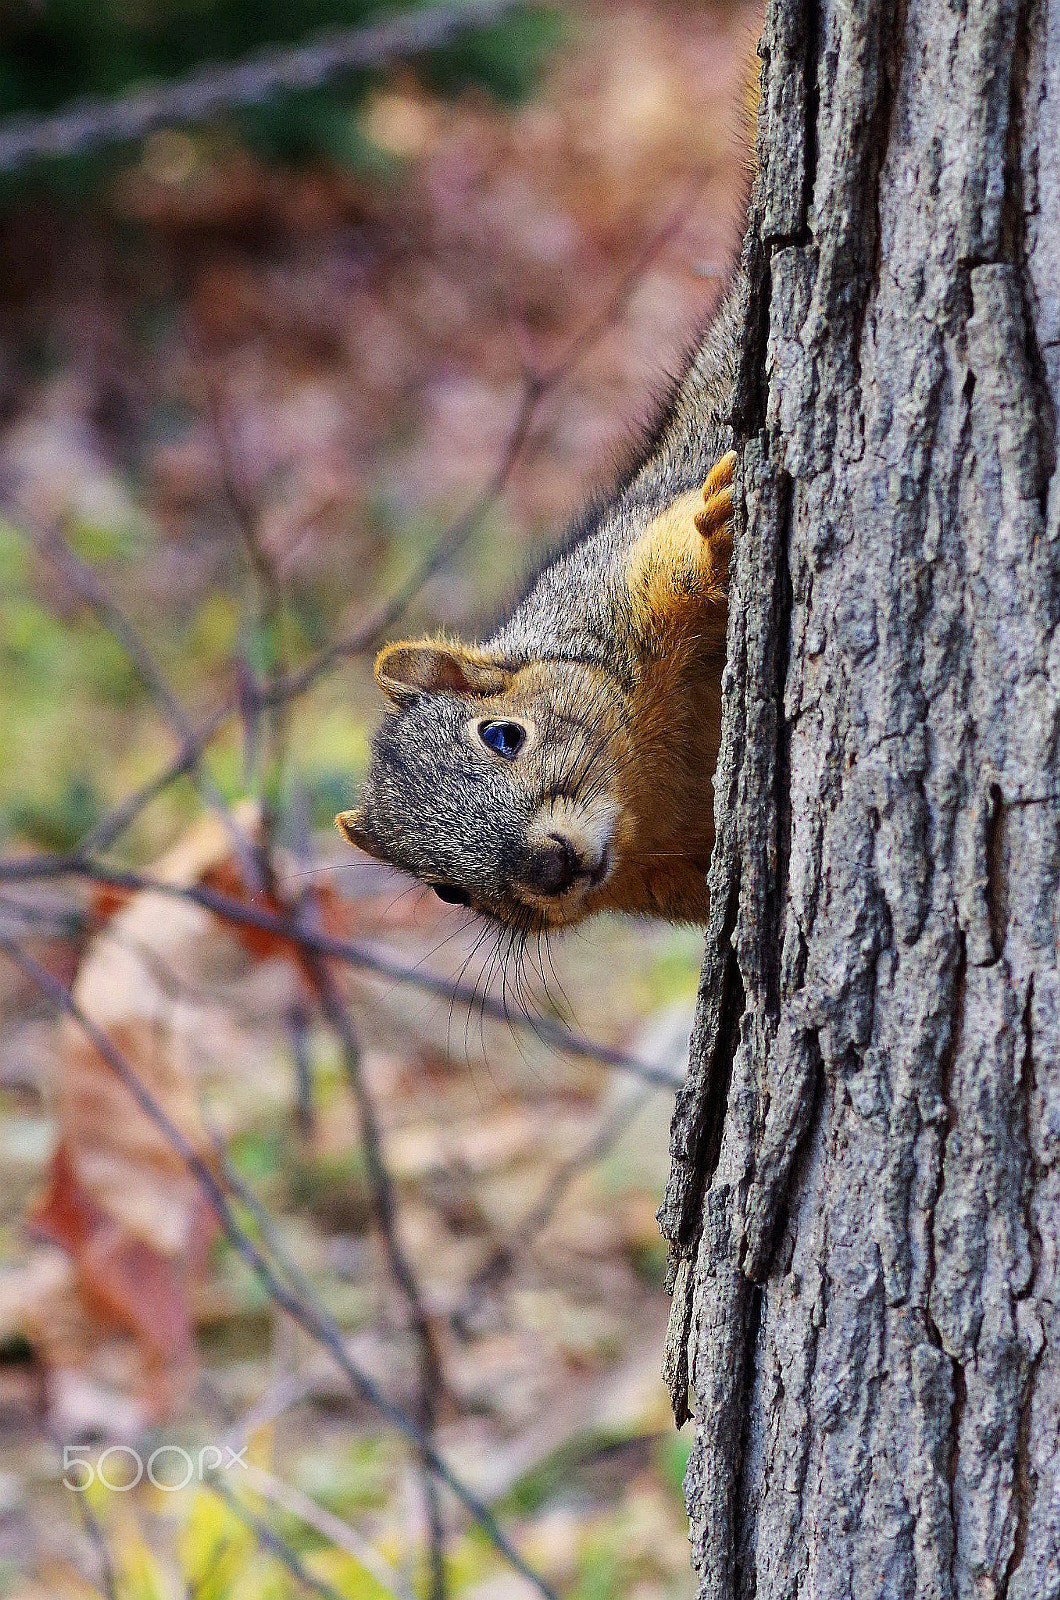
x=503, y=738
x=451, y=894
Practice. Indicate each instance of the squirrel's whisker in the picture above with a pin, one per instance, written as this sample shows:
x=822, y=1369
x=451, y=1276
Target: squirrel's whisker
x=483, y=936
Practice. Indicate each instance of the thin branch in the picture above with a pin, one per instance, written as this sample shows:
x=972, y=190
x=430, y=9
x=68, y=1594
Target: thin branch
x=328, y=1526
x=431, y=1379
x=298, y=1031
x=311, y=1316
x=89, y=124
x=538, y=384
x=118, y=820
x=506, y=1251
x=602, y=321
x=368, y=634
x=365, y=958
x=86, y=583
x=270, y=1540
x=346, y=647
x=247, y=513
x=97, y=1536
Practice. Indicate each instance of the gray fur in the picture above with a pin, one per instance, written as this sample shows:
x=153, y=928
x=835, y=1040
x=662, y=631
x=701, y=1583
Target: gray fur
x=571, y=610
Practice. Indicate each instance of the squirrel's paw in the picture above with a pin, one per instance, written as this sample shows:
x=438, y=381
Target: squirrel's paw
x=679, y=567
x=714, y=518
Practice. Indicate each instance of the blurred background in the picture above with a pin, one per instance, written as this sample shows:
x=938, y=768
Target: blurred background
x=329, y=1263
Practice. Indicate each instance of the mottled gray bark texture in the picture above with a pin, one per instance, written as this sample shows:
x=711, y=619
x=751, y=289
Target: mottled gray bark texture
x=865, y=1199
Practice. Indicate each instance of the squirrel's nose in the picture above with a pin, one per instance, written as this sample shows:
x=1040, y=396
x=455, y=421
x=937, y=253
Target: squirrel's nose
x=554, y=865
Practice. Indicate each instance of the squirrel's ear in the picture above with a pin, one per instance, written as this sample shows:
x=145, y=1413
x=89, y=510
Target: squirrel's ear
x=431, y=666
x=354, y=824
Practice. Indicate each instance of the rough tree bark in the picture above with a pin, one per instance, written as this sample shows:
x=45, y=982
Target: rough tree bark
x=864, y=1205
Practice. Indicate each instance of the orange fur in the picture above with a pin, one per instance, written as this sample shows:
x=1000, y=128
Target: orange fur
x=678, y=581
x=675, y=732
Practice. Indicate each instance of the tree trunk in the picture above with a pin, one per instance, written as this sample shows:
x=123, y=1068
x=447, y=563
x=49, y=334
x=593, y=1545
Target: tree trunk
x=864, y=1205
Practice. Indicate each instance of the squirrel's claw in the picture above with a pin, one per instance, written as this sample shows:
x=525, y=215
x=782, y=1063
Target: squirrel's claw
x=720, y=474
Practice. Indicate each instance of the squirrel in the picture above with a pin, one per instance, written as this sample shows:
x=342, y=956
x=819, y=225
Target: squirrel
x=559, y=768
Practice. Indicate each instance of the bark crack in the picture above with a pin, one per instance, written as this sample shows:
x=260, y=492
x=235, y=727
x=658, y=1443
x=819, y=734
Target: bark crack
x=1014, y=237
x=996, y=870
x=949, y=1117
x=1026, y=1480
x=958, y=1381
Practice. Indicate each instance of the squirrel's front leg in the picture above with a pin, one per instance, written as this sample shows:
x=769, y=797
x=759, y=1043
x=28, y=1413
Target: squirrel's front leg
x=679, y=567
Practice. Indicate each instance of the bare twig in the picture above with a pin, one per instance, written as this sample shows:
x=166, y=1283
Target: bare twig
x=346, y=647
x=368, y=634
x=538, y=384
x=298, y=1029
x=507, y=1251
x=270, y=1540
x=89, y=124
x=97, y=1537
x=124, y=814
x=604, y=320
x=328, y=1526
x=85, y=583
x=247, y=514
x=431, y=1379
x=366, y=958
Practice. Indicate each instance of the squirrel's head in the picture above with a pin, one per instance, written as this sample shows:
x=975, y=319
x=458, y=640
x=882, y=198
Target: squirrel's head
x=497, y=784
